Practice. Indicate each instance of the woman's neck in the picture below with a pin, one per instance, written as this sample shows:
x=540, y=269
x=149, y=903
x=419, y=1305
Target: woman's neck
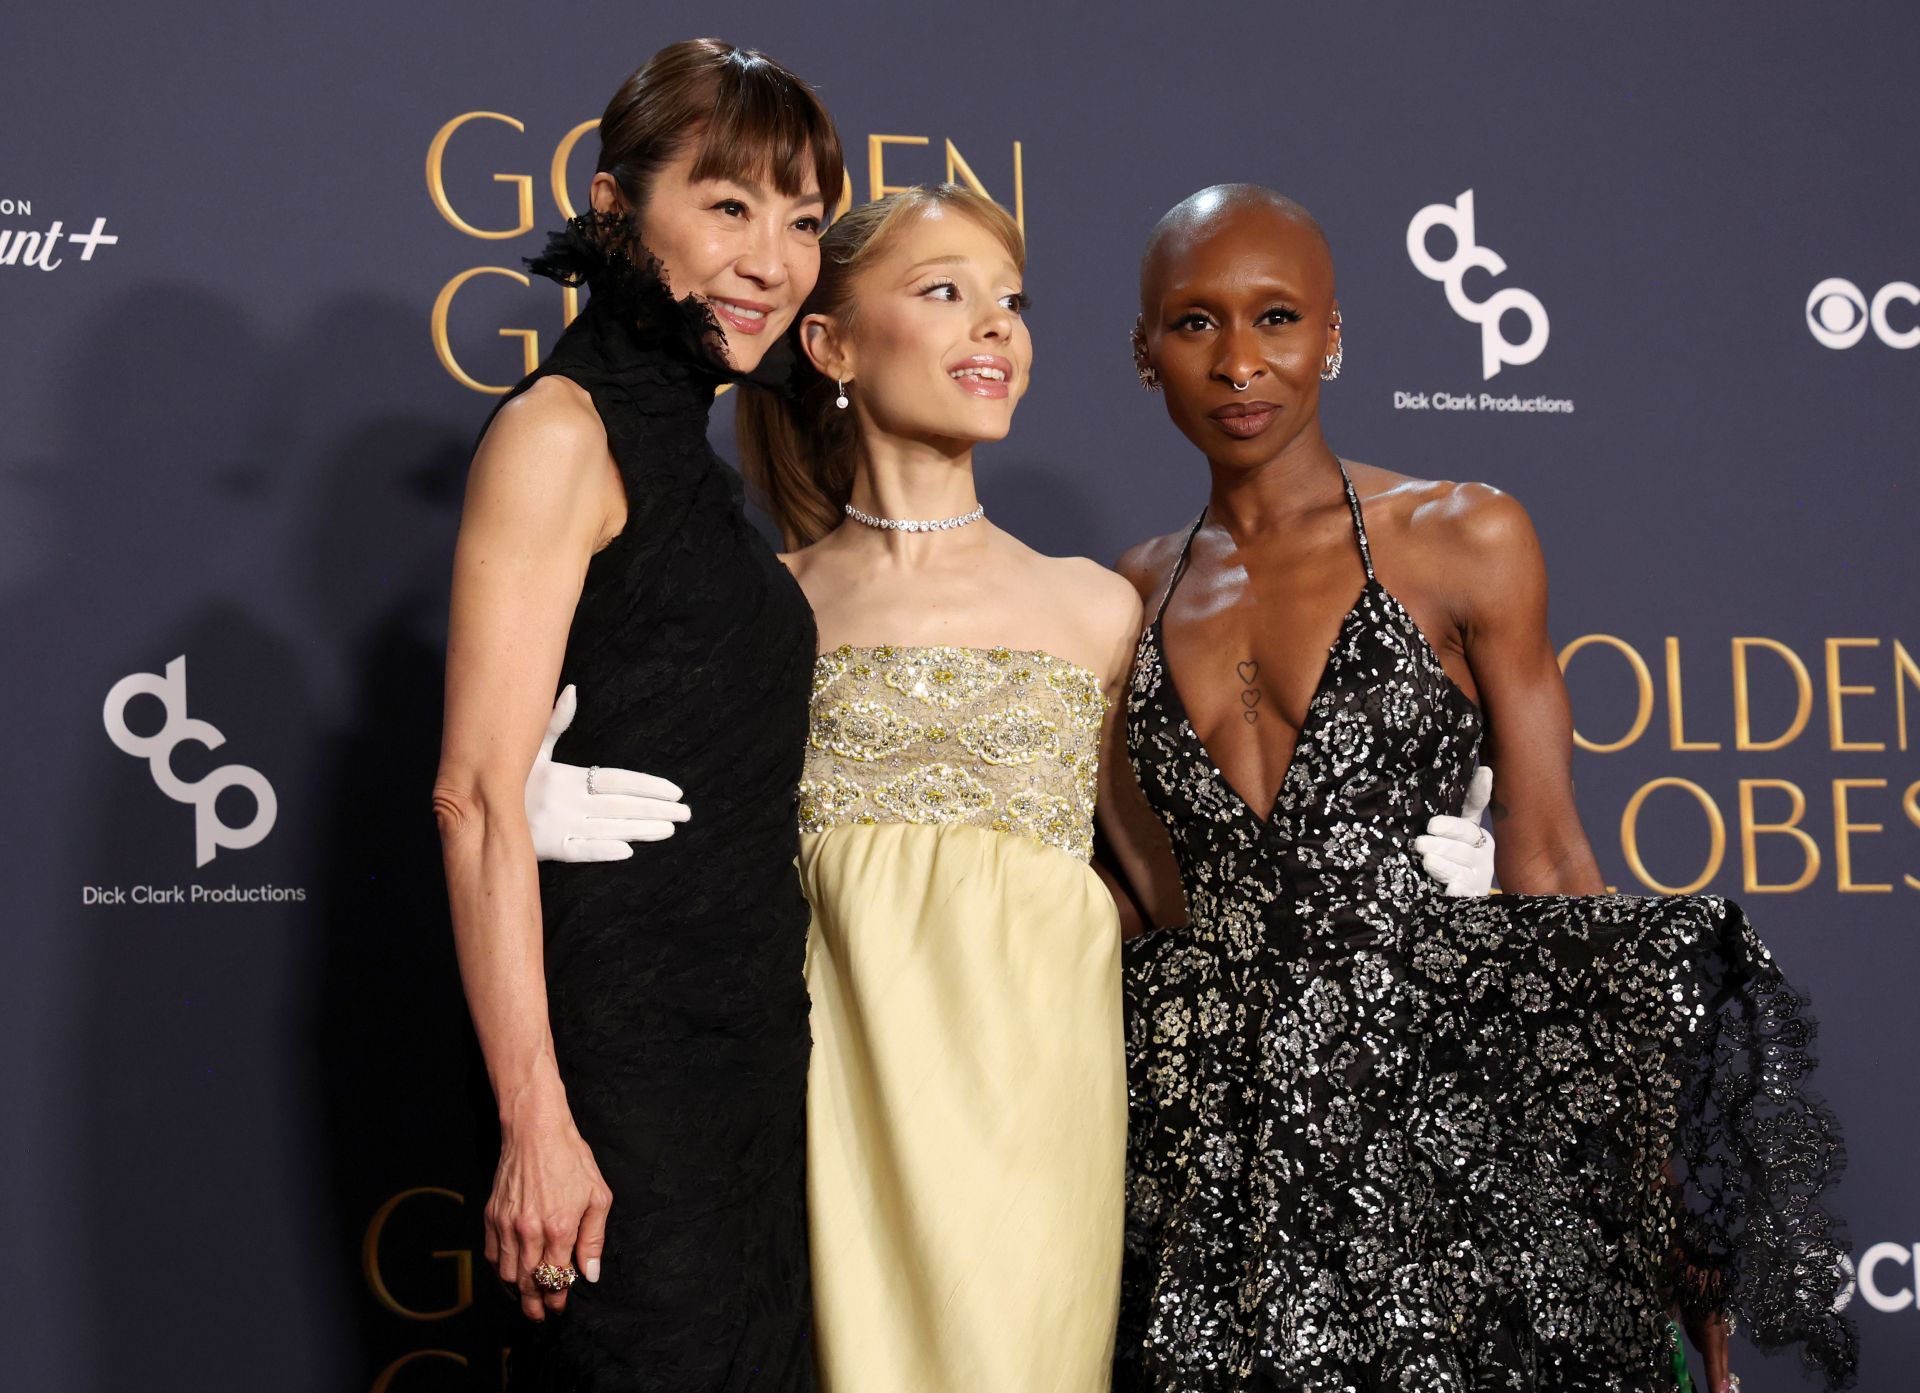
x=912, y=481
x=1274, y=496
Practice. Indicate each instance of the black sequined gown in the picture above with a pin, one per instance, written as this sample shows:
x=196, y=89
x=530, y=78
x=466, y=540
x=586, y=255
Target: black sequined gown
x=1385, y=1140
x=675, y=979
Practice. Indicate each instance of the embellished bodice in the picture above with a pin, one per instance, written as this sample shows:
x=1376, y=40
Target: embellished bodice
x=1388, y=742
x=997, y=738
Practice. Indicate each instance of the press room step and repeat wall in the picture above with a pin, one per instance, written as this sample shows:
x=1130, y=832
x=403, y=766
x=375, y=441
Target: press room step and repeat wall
x=1651, y=269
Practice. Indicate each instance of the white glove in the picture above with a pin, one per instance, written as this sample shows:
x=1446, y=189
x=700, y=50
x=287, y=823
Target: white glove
x=591, y=814
x=1458, y=851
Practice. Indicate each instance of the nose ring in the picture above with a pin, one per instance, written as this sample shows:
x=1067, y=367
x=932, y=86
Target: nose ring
x=1240, y=386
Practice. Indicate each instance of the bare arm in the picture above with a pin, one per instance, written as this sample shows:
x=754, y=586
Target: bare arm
x=537, y=507
x=1143, y=864
x=1142, y=855
x=1542, y=848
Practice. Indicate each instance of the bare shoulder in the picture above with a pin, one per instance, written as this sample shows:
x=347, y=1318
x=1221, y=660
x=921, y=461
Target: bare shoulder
x=543, y=475
x=1146, y=565
x=551, y=428
x=803, y=561
x=1478, y=520
x=1097, y=613
x=1108, y=599
x=1461, y=519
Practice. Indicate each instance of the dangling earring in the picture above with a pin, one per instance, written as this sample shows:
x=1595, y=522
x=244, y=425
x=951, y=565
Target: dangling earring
x=1149, y=379
x=841, y=400
x=1334, y=359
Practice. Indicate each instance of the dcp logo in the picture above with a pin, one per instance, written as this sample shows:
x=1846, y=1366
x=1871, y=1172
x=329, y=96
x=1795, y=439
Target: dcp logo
x=1883, y=1290
x=1495, y=348
x=1838, y=315
x=210, y=833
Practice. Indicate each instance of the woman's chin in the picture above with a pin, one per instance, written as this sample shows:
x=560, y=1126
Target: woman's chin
x=741, y=357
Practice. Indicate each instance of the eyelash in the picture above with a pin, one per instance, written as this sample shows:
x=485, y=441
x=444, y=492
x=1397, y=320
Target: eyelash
x=1287, y=316
x=1021, y=301
x=733, y=207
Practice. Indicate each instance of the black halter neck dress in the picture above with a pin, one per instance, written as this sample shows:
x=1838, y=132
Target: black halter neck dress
x=1385, y=1140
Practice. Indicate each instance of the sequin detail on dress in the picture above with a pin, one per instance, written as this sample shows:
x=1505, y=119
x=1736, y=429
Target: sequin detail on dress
x=998, y=738
x=1383, y=1140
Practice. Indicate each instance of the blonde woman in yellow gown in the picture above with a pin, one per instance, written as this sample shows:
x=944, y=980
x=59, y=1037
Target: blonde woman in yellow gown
x=966, y=1100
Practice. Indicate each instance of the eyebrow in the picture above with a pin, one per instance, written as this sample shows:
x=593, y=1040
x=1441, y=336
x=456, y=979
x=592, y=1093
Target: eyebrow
x=753, y=189
x=955, y=259
x=1206, y=292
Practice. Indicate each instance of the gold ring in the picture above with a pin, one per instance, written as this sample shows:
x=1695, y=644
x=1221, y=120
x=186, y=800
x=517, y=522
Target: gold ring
x=549, y=1278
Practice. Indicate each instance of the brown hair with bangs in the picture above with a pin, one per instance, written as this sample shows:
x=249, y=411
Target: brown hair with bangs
x=751, y=117
x=798, y=451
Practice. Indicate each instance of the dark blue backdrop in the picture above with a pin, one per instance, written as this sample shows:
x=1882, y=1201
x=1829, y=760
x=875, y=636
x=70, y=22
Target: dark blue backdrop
x=232, y=436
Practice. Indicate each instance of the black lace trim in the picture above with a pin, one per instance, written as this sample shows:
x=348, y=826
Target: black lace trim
x=604, y=253
x=1758, y=1159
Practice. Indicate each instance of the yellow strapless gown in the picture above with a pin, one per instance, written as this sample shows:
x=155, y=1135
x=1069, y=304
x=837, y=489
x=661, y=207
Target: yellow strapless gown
x=966, y=1100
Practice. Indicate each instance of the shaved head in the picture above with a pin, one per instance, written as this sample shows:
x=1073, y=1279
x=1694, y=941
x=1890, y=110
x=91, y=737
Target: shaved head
x=1199, y=216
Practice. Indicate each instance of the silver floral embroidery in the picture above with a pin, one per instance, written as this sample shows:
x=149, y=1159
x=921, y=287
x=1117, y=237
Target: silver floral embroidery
x=1382, y=1140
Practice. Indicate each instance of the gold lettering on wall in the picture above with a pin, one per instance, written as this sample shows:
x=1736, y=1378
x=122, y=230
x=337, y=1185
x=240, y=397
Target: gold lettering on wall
x=376, y=1282
x=384, y=1383
x=1905, y=674
x=1642, y=677
x=1843, y=829
x=1751, y=828
x=1910, y=804
x=876, y=163
x=443, y=303
x=1742, y=705
x=1837, y=690
x=1676, y=717
x=958, y=170
x=1630, y=836
x=557, y=173
x=437, y=183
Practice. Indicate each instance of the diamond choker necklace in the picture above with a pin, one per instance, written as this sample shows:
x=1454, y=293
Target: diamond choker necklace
x=907, y=525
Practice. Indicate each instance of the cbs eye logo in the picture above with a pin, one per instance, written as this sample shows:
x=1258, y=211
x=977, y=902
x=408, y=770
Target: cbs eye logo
x=1839, y=315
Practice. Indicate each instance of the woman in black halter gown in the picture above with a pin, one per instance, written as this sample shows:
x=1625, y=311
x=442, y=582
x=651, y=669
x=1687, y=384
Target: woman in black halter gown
x=645, y=1026
x=1380, y=1139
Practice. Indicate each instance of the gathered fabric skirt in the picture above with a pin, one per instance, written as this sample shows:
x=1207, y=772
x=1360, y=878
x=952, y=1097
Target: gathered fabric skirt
x=966, y=1112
